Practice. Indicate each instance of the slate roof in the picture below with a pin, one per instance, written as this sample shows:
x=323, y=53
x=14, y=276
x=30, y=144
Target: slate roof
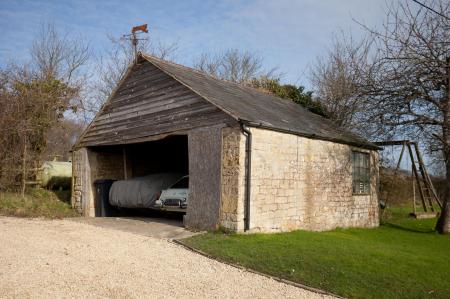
x=255, y=108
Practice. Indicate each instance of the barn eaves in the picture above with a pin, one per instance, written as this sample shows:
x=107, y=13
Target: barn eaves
x=258, y=109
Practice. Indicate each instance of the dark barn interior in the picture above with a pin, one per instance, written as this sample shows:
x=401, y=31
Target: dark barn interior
x=166, y=155
x=121, y=162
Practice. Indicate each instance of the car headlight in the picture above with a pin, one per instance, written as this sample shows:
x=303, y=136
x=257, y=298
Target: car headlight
x=183, y=203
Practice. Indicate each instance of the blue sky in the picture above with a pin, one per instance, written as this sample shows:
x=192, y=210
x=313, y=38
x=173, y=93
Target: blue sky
x=287, y=34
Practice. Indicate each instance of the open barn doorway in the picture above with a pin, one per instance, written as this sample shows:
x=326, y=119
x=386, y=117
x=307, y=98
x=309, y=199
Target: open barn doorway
x=132, y=177
x=166, y=155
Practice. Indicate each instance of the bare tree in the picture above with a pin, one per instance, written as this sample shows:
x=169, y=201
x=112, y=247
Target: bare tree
x=59, y=55
x=233, y=65
x=60, y=138
x=34, y=97
x=9, y=156
x=409, y=84
x=338, y=81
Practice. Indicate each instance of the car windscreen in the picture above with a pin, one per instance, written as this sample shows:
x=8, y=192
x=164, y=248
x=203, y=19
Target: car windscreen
x=181, y=184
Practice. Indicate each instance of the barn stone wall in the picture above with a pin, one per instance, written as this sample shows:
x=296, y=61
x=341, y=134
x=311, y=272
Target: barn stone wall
x=78, y=158
x=82, y=192
x=233, y=179
x=87, y=167
x=296, y=183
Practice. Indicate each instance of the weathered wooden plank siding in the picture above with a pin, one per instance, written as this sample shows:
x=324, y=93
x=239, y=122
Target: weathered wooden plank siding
x=148, y=103
x=205, y=154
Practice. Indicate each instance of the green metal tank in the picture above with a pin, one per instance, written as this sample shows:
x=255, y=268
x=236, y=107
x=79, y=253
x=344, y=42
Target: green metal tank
x=55, y=174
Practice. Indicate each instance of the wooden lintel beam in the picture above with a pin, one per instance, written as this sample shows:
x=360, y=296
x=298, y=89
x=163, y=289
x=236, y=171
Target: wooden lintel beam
x=392, y=142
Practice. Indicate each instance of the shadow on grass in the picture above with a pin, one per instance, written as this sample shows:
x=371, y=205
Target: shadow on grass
x=408, y=228
x=63, y=195
x=399, y=217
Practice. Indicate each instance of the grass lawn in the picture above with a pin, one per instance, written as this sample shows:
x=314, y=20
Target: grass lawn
x=403, y=258
x=37, y=203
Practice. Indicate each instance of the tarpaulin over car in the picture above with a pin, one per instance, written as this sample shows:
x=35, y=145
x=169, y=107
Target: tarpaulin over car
x=140, y=192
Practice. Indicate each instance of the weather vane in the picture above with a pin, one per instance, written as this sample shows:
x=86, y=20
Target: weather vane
x=134, y=37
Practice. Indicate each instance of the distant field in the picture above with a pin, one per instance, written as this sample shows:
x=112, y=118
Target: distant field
x=403, y=258
x=37, y=203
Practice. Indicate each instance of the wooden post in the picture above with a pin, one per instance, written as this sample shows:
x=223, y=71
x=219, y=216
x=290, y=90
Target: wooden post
x=400, y=159
x=24, y=169
x=125, y=175
x=414, y=191
x=417, y=176
x=426, y=179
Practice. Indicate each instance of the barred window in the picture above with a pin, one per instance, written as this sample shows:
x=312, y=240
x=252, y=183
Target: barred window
x=361, y=173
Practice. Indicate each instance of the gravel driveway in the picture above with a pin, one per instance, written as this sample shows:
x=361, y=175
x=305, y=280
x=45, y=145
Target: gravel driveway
x=61, y=258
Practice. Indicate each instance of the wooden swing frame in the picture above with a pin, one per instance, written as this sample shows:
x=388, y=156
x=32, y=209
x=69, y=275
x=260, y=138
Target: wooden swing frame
x=427, y=192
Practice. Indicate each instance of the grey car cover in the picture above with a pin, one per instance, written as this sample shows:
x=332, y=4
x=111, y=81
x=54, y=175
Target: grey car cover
x=140, y=192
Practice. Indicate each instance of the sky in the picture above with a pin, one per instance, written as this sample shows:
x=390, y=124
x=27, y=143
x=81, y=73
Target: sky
x=289, y=35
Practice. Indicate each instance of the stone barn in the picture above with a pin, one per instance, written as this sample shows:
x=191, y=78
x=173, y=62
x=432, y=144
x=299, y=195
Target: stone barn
x=255, y=162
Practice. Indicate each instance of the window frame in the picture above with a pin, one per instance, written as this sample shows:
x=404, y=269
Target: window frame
x=361, y=173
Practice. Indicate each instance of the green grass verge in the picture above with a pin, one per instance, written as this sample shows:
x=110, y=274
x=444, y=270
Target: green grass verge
x=37, y=203
x=403, y=258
